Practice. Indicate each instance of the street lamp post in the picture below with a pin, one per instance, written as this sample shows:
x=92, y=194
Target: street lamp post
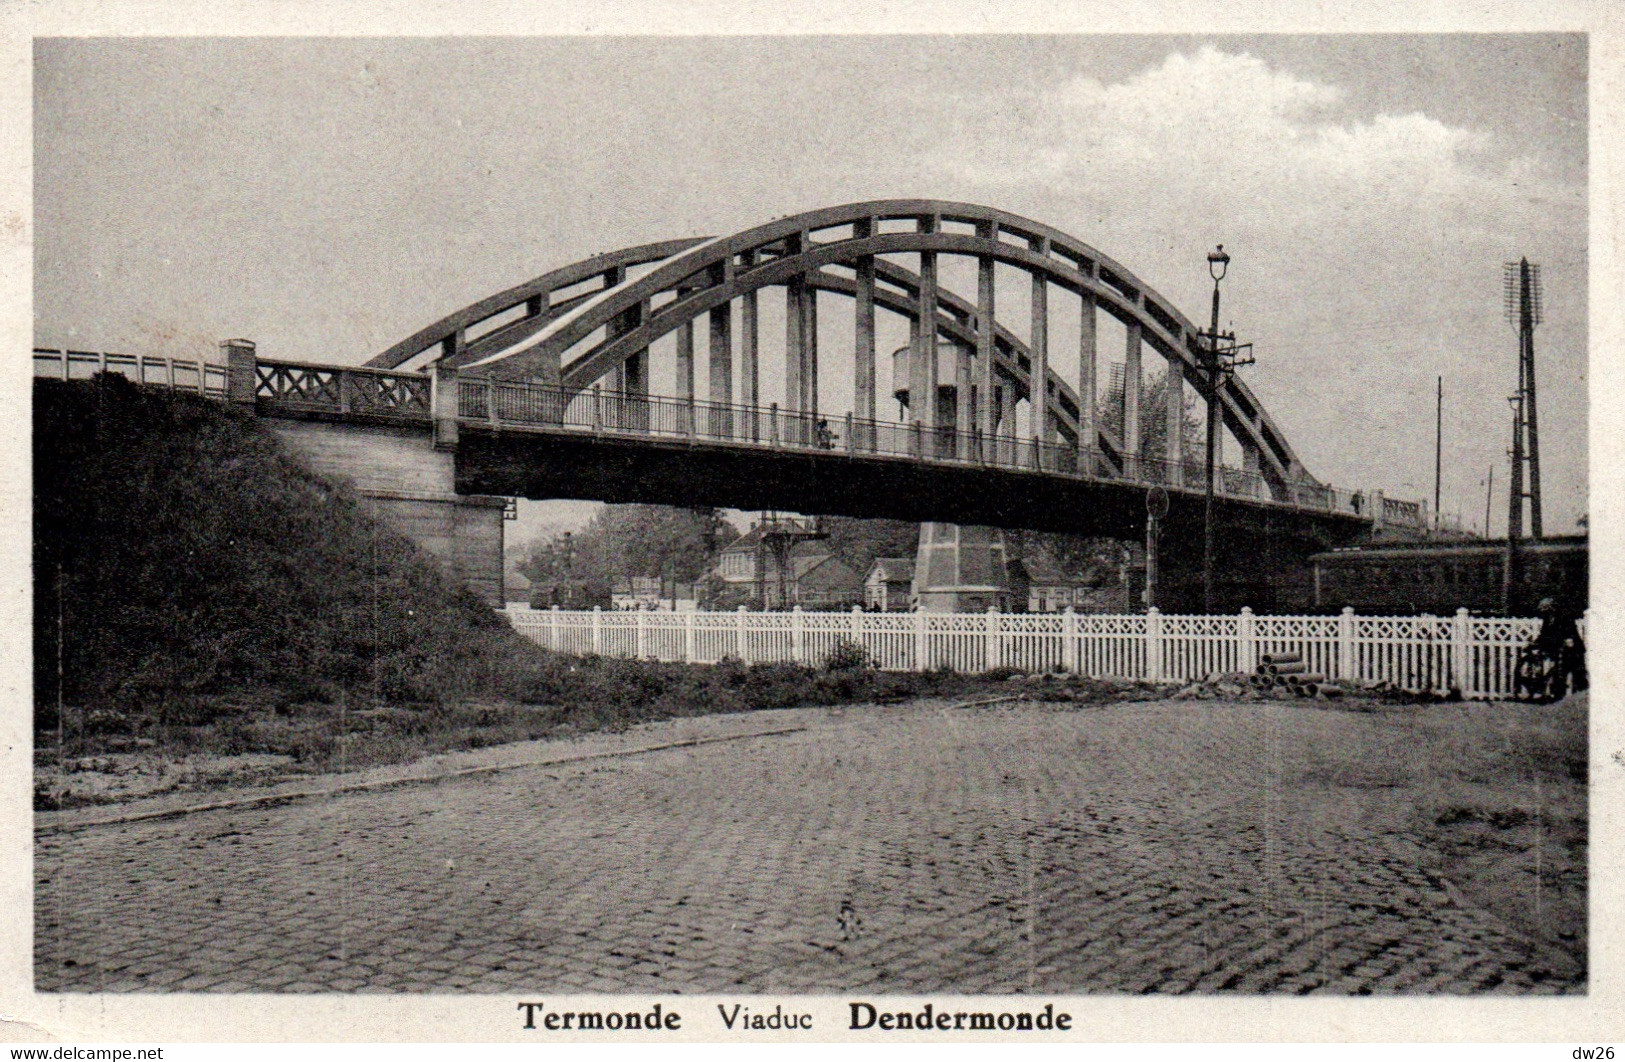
x=1221, y=356
x=1217, y=263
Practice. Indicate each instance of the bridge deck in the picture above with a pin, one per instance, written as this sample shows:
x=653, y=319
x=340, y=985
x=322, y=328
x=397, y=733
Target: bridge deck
x=506, y=405
x=364, y=394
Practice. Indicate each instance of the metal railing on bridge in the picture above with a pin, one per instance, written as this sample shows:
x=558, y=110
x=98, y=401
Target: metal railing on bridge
x=343, y=390
x=1472, y=654
x=347, y=391
x=597, y=411
x=178, y=374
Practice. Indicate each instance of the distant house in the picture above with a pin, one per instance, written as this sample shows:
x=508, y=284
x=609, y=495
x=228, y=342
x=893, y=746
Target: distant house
x=887, y=589
x=746, y=571
x=647, y=594
x=824, y=581
x=640, y=592
x=1043, y=585
x=568, y=594
x=515, y=587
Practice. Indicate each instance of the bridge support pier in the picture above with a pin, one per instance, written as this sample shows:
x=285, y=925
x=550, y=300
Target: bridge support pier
x=961, y=569
x=443, y=405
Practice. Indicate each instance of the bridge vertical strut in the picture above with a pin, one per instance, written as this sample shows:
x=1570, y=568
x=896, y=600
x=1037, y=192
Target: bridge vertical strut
x=1174, y=419
x=922, y=364
x=685, y=360
x=863, y=362
x=1086, y=371
x=809, y=349
x=794, y=320
x=721, y=354
x=749, y=345
x=1131, y=395
x=985, y=299
x=1038, y=389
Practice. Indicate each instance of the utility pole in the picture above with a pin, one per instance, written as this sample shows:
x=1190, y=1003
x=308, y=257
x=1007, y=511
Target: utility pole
x=1522, y=294
x=1156, y=507
x=1219, y=361
x=1509, y=570
x=1438, y=451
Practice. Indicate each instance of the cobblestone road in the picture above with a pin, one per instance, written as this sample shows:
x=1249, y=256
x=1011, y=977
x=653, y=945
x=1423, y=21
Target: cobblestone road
x=1128, y=849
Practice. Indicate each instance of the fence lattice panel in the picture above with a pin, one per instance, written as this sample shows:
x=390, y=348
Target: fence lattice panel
x=1473, y=655
x=1194, y=647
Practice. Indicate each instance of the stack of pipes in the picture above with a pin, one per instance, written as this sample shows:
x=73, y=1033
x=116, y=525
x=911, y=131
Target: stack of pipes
x=1289, y=671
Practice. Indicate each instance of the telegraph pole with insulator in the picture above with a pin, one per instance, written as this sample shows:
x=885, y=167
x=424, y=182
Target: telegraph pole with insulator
x=1522, y=291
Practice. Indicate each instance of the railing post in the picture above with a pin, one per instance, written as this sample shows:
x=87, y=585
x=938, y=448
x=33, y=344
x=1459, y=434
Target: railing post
x=555, y=638
x=857, y=624
x=643, y=635
x=918, y=441
x=1069, y=641
x=597, y=630
x=242, y=373
x=798, y=635
x=920, y=640
x=1461, y=653
x=597, y=409
x=491, y=401
x=1153, y=644
x=1347, y=657
x=851, y=445
x=742, y=631
x=773, y=424
x=990, y=650
x=690, y=619
x=443, y=405
x=1246, y=642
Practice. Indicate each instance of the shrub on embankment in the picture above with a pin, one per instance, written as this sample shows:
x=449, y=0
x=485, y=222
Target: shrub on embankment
x=197, y=587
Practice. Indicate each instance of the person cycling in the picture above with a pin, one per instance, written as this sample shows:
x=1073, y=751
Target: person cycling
x=1554, y=662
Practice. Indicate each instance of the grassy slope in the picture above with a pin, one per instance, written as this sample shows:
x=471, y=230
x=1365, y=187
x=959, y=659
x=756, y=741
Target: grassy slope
x=180, y=555
x=209, y=592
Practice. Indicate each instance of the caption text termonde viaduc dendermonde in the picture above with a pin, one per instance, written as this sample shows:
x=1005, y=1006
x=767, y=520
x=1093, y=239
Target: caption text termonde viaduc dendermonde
x=756, y=1016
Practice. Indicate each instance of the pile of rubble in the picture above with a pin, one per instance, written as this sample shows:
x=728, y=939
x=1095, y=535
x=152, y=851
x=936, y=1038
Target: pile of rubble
x=1286, y=677
x=1279, y=677
x=1289, y=672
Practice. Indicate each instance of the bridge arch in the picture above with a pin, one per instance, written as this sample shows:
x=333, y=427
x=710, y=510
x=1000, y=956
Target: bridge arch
x=578, y=340
x=479, y=330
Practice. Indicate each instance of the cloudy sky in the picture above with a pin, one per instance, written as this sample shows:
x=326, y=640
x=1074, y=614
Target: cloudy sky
x=328, y=197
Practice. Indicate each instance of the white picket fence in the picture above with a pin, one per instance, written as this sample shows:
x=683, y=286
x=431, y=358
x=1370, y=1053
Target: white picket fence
x=1472, y=654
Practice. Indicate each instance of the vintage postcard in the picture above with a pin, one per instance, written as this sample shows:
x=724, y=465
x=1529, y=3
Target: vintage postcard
x=737, y=526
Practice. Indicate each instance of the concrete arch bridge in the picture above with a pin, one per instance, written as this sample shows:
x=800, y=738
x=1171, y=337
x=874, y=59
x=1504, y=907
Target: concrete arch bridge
x=545, y=390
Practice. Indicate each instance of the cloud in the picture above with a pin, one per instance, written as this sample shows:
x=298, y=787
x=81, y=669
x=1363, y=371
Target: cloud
x=1368, y=245
x=1223, y=135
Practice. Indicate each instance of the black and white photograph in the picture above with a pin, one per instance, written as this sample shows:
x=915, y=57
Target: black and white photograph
x=816, y=533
